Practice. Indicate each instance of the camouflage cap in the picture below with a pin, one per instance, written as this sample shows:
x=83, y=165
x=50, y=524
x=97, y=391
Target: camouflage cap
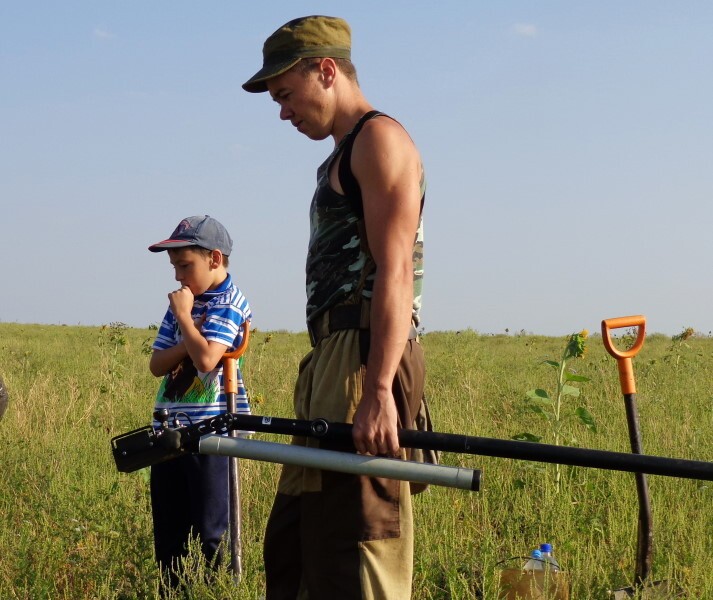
x=306, y=37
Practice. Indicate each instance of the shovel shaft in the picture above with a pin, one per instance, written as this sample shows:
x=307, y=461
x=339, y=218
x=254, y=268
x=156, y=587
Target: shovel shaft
x=230, y=364
x=230, y=387
x=236, y=545
x=645, y=536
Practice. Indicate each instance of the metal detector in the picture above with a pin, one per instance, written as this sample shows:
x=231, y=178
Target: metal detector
x=145, y=446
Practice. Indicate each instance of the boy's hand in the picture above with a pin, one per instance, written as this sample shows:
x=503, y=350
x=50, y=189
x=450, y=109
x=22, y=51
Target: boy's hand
x=181, y=301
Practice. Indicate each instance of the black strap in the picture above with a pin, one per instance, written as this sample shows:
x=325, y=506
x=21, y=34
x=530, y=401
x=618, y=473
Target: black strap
x=344, y=316
x=349, y=183
x=348, y=316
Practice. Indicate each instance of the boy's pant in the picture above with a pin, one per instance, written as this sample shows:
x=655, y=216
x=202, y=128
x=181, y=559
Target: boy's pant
x=335, y=535
x=189, y=496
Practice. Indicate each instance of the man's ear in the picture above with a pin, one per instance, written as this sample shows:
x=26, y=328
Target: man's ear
x=327, y=72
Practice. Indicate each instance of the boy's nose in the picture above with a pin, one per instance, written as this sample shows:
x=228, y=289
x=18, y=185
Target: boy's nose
x=285, y=113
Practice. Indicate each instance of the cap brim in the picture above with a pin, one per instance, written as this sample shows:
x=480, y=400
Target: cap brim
x=166, y=244
x=257, y=83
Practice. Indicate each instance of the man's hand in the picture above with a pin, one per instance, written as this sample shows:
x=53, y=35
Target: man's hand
x=376, y=425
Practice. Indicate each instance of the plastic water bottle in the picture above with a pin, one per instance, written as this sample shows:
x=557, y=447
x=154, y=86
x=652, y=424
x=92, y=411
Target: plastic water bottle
x=535, y=563
x=548, y=558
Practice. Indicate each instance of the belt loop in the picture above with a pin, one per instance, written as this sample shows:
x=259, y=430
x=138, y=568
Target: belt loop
x=365, y=317
x=318, y=328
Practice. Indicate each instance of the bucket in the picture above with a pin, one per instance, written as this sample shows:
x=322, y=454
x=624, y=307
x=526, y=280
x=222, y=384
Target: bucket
x=516, y=584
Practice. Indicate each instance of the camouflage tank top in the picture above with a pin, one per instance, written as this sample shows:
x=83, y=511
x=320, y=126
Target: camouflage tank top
x=340, y=268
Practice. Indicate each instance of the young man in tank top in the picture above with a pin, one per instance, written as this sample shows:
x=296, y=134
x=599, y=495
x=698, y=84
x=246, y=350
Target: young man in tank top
x=334, y=535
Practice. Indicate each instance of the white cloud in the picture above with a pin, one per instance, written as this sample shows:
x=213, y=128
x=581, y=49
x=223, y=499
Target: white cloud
x=525, y=29
x=102, y=33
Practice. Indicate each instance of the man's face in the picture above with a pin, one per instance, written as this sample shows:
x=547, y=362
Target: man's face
x=303, y=100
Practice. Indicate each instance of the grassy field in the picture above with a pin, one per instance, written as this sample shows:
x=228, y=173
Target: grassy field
x=72, y=527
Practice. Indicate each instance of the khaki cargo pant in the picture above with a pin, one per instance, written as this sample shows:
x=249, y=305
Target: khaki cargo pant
x=336, y=536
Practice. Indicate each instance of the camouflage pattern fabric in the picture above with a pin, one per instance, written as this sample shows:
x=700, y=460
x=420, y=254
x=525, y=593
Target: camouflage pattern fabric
x=340, y=268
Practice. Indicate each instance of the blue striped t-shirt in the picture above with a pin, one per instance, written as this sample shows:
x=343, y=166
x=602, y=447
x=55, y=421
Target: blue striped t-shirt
x=187, y=393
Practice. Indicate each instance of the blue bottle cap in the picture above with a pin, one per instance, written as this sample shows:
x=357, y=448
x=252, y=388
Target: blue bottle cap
x=546, y=547
x=536, y=553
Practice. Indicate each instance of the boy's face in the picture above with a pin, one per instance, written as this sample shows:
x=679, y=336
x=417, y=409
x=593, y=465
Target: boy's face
x=198, y=271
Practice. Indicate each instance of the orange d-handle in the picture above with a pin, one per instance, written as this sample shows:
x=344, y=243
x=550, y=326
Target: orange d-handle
x=230, y=372
x=623, y=357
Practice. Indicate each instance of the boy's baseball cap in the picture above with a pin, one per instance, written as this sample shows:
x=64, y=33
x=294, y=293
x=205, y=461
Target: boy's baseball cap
x=201, y=230
x=315, y=36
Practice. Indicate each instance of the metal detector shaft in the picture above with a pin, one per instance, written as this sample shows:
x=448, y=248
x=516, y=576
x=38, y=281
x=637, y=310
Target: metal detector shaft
x=345, y=462
x=340, y=435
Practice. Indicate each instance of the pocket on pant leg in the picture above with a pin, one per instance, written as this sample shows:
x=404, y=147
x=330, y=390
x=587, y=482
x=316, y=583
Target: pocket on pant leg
x=359, y=508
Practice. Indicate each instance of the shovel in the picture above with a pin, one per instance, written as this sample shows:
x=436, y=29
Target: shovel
x=644, y=549
x=230, y=386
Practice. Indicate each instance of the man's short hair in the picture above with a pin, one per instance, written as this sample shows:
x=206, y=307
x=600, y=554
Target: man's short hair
x=345, y=65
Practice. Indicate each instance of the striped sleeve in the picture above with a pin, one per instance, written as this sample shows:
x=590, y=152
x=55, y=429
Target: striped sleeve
x=224, y=317
x=166, y=337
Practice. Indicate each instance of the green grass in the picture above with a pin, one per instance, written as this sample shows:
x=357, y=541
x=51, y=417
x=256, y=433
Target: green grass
x=73, y=527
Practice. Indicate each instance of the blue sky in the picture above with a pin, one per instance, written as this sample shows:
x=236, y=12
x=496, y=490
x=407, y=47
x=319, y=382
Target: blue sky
x=568, y=149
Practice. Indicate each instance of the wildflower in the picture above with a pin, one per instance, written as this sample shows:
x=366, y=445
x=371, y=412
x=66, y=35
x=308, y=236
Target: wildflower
x=684, y=335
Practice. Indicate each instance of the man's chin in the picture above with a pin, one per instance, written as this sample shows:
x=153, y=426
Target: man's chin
x=304, y=128
x=314, y=136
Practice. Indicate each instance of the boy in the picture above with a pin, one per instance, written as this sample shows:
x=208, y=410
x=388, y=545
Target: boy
x=189, y=495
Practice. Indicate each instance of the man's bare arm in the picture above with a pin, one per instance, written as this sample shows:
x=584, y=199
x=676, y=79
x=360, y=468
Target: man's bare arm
x=387, y=165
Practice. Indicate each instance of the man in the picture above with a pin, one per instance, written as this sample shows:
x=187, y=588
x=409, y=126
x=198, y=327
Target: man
x=334, y=535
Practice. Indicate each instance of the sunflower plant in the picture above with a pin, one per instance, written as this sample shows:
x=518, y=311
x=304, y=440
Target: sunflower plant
x=551, y=408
